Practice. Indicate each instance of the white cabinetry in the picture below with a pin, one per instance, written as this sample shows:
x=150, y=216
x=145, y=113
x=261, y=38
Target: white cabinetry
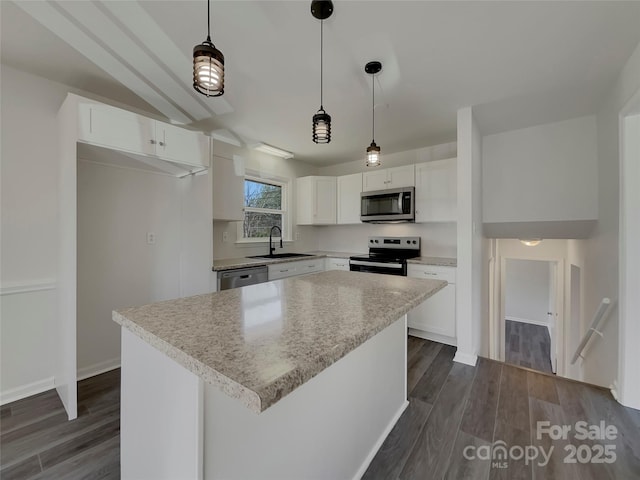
x=316, y=203
x=291, y=269
x=436, y=191
x=349, y=190
x=435, y=318
x=382, y=179
x=337, y=263
x=228, y=190
x=125, y=131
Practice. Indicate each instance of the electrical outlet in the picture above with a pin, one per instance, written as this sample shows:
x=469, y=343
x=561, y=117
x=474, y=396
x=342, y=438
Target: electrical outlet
x=151, y=238
x=225, y=236
x=297, y=235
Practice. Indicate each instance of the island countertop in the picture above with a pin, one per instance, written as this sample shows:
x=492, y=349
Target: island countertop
x=259, y=343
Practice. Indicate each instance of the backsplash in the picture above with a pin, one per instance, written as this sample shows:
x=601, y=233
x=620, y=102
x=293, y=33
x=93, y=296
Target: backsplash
x=438, y=239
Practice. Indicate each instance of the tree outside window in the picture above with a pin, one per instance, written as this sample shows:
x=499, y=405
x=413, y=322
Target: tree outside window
x=263, y=202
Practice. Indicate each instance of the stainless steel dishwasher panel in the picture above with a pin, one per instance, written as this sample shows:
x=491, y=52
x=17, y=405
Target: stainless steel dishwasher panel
x=241, y=277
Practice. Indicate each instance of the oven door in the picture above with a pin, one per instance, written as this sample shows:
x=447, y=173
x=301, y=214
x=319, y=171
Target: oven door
x=378, y=267
x=393, y=205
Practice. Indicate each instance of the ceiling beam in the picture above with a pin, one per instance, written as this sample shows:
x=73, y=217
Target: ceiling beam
x=55, y=19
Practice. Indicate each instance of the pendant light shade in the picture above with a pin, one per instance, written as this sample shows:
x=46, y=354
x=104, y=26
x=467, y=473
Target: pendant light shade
x=208, y=65
x=321, y=9
x=373, y=150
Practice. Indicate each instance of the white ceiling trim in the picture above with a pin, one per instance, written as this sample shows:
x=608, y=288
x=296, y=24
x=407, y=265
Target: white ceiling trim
x=140, y=25
x=59, y=24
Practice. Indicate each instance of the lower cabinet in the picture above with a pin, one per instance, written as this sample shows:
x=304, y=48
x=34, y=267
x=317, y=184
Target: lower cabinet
x=435, y=318
x=290, y=269
x=337, y=263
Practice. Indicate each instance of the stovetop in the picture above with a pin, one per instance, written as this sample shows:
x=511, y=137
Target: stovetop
x=391, y=249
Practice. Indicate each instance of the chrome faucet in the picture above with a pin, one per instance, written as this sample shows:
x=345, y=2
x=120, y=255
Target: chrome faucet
x=271, y=247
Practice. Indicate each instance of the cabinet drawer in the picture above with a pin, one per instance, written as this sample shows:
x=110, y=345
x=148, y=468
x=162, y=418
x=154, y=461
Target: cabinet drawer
x=282, y=270
x=337, y=264
x=310, y=266
x=432, y=271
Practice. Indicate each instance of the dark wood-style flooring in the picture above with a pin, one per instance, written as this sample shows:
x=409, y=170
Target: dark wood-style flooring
x=452, y=407
x=455, y=407
x=38, y=442
x=527, y=345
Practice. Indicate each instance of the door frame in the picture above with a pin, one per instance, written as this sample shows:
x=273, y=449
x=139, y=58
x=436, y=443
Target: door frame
x=497, y=276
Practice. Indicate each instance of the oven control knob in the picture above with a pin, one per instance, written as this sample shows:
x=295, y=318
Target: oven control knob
x=414, y=242
x=376, y=241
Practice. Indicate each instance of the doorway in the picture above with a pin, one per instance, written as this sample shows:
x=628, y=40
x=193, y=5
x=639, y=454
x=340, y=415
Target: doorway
x=530, y=314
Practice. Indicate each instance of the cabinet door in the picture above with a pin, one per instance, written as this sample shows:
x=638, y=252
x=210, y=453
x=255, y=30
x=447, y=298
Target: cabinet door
x=349, y=189
x=436, y=191
x=324, y=201
x=401, y=177
x=374, y=180
x=437, y=314
x=183, y=146
x=337, y=264
x=116, y=128
x=305, y=207
x=228, y=190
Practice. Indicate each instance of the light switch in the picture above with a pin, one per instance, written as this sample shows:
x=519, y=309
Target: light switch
x=151, y=238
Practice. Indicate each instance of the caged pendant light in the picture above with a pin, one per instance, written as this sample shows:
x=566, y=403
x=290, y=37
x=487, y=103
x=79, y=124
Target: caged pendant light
x=208, y=65
x=373, y=150
x=321, y=9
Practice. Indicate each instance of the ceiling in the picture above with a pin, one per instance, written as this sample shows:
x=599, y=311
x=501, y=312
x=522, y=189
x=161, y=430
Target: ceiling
x=519, y=63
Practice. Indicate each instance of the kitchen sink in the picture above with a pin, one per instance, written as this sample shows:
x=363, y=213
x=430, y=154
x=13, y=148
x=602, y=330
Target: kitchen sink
x=282, y=255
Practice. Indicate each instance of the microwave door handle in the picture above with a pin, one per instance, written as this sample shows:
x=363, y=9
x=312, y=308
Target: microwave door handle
x=400, y=202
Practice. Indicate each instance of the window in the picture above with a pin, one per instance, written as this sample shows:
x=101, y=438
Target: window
x=264, y=207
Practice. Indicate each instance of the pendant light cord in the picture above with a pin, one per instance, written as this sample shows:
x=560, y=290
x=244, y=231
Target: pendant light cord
x=373, y=109
x=209, y=21
x=321, y=60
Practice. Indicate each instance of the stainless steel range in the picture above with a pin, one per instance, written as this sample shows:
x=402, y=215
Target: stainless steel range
x=387, y=255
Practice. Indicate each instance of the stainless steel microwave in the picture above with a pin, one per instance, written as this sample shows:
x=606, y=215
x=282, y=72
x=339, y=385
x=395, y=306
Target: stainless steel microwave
x=388, y=206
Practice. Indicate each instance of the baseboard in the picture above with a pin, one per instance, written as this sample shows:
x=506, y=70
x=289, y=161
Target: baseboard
x=527, y=320
x=367, y=461
x=434, y=337
x=24, y=391
x=98, y=368
x=466, y=358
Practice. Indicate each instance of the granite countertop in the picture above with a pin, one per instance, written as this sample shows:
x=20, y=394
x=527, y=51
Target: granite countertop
x=243, y=262
x=437, y=261
x=259, y=343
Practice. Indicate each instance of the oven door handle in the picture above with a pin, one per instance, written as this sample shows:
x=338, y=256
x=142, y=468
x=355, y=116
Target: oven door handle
x=375, y=264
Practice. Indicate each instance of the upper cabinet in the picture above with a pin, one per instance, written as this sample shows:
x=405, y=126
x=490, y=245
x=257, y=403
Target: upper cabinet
x=228, y=190
x=316, y=200
x=436, y=191
x=118, y=129
x=349, y=189
x=382, y=179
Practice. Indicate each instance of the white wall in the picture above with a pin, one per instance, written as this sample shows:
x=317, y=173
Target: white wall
x=472, y=248
x=408, y=157
x=601, y=268
x=116, y=266
x=29, y=210
x=543, y=173
x=527, y=291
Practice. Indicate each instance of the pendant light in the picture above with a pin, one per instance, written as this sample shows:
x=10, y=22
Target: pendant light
x=321, y=9
x=208, y=65
x=373, y=150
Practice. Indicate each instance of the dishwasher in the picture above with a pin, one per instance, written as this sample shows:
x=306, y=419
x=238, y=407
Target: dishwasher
x=242, y=277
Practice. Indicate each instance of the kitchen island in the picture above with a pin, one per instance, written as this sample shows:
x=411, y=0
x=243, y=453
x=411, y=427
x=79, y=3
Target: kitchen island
x=297, y=378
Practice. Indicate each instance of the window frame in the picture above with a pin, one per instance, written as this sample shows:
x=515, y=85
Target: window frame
x=285, y=185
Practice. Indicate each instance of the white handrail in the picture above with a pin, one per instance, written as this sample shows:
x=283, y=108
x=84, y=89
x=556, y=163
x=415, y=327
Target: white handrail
x=597, y=318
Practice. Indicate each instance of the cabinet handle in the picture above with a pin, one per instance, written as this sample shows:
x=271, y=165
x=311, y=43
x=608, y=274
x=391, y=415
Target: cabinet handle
x=152, y=142
x=284, y=271
x=429, y=273
x=161, y=144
